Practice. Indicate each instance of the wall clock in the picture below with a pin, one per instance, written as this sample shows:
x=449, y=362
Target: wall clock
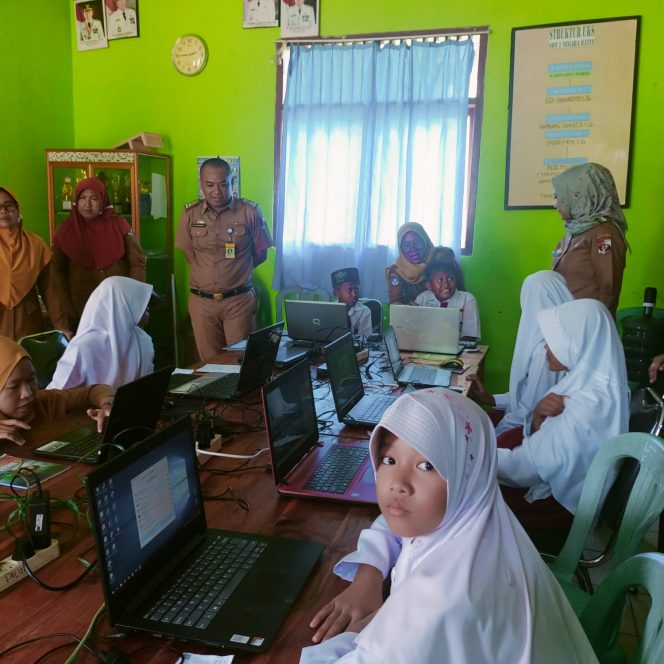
x=190, y=55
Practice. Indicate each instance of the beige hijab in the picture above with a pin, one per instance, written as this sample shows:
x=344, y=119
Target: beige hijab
x=412, y=273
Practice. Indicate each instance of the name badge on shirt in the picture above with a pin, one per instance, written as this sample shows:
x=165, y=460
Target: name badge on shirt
x=199, y=224
x=230, y=250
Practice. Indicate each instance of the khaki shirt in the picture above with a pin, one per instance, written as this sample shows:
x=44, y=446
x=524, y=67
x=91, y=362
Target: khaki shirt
x=206, y=238
x=593, y=263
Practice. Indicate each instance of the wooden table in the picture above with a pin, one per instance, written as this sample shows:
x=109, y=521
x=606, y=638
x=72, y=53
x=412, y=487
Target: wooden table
x=28, y=611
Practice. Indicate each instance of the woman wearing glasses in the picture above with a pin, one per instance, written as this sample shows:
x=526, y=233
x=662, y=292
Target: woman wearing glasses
x=406, y=277
x=25, y=269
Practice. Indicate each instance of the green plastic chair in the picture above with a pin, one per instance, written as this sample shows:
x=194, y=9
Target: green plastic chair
x=645, y=503
x=45, y=349
x=602, y=615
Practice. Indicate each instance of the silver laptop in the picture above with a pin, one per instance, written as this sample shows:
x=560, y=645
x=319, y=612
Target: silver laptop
x=426, y=329
x=314, y=321
x=414, y=374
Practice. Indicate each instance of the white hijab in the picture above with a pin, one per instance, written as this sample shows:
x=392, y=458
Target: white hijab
x=582, y=335
x=475, y=590
x=530, y=377
x=109, y=347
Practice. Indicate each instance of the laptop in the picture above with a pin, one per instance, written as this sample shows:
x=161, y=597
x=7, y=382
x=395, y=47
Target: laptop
x=315, y=322
x=164, y=572
x=353, y=406
x=304, y=464
x=287, y=356
x=414, y=374
x=256, y=369
x=135, y=412
x=426, y=329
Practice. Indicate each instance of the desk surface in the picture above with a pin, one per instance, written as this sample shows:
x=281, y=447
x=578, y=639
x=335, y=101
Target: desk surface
x=28, y=611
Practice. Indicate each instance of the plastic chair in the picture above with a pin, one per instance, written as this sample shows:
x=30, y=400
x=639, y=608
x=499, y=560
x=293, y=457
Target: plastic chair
x=645, y=504
x=602, y=615
x=45, y=349
x=376, y=308
x=297, y=293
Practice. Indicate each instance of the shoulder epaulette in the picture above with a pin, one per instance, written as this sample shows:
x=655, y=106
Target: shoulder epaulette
x=191, y=205
x=246, y=201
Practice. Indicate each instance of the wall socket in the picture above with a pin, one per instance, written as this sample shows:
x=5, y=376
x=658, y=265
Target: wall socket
x=12, y=571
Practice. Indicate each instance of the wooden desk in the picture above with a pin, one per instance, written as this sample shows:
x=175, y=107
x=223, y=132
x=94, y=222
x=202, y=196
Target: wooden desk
x=29, y=611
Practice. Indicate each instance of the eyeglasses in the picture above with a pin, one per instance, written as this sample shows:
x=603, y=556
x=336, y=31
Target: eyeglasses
x=9, y=206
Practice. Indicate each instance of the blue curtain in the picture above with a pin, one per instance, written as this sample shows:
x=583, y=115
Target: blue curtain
x=373, y=136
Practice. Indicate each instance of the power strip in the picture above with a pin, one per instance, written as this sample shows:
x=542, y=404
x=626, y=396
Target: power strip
x=215, y=446
x=12, y=571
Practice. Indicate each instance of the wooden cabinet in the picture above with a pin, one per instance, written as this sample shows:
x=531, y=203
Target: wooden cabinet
x=138, y=184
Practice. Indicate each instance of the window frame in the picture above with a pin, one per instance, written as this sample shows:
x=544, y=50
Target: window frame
x=475, y=110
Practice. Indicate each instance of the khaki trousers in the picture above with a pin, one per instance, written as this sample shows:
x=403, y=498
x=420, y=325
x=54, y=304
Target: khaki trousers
x=218, y=323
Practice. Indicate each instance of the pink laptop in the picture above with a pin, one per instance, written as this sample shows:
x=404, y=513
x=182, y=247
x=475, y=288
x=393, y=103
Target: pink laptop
x=304, y=463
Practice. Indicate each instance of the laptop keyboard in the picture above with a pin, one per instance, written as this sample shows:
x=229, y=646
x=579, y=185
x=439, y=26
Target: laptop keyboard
x=371, y=410
x=337, y=469
x=84, y=449
x=422, y=375
x=179, y=379
x=221, y=388
x=200, y=592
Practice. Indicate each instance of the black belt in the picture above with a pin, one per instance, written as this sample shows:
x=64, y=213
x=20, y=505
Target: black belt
x=220, y=296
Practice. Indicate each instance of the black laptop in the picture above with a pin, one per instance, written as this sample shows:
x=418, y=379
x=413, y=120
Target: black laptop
x=164, y=572
x=353, y=406
x=304, y=463
x=256, y=369
x=134, y=414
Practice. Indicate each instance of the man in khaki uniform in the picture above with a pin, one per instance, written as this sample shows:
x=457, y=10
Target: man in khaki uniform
x=223, y=239
x=591, y=255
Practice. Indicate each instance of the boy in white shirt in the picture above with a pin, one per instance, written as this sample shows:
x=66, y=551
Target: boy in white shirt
x=346, y=288
x=442, y=292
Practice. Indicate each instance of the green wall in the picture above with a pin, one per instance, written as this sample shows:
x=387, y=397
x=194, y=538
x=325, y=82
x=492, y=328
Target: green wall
x=36, y=100
x=229, y=109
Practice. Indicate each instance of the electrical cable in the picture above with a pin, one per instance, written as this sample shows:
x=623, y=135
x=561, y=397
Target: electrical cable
x=36, y=639
x=86, y=636
x=46, y=586
x=231, y=456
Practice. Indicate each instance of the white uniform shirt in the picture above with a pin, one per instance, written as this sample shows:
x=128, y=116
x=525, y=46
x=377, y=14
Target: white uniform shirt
x=91, y=31
x=463, y=301
x=260, y=11
x=301, y=17
x=360, y=319
x=122, y=23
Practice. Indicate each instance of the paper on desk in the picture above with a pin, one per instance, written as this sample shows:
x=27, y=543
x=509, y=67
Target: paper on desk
x=193, y=658
x=177, y=370
x=220, y=368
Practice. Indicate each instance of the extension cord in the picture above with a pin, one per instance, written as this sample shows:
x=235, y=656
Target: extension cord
x=12, y=571
x=362, y=356
x=215, y=446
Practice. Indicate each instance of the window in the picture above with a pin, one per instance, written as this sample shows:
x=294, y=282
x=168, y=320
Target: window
x=371, y=133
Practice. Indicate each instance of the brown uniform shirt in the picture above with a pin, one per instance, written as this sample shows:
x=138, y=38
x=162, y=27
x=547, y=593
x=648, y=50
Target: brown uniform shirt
x=74, y=283
x=593, y=263
x=206, y=237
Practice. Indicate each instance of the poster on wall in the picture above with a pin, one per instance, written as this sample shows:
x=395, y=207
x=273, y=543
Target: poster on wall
x=233, y=162
x=571, y=102
x=122, y=18
x=300, y=18
x=260, y=13
x=90, y=20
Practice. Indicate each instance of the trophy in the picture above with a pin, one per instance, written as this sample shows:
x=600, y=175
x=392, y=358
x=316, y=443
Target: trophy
x=67, y=190
x=126, y=185
x=116, y=197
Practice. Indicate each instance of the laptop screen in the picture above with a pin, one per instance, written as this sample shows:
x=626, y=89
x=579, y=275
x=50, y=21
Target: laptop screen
x=316, y=321
x=393, y=354
x=143, y=501
x=259, y=357
x=290, y=417
x=344, y=374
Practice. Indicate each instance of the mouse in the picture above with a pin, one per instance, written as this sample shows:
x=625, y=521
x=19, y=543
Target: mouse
x=452, y=364
x=169, y=403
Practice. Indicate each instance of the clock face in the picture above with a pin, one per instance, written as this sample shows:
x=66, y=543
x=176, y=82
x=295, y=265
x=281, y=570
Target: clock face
x=190, y=55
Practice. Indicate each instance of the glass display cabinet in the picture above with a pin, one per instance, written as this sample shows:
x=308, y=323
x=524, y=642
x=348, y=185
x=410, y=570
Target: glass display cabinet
x=138, y=184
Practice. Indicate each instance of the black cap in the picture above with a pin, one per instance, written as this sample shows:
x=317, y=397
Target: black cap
x=350, y=274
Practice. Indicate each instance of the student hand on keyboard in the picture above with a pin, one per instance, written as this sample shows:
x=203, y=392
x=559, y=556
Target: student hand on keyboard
x=100, y=414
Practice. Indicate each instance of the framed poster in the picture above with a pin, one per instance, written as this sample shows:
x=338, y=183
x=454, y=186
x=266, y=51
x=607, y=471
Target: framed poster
x=121, y=18
x=90, y=20
x=299, y=18
x=571, y=101
x=260, y=13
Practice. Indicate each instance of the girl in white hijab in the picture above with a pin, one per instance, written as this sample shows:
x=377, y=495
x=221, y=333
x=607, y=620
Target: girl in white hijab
x=530, y=376
x=468, y=585
x=110, y=346
x=586, y=408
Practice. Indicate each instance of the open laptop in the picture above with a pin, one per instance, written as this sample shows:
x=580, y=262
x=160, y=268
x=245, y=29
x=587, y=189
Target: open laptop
x=412, y=373
x=352, y=404
x=427, y=329
x=304, y=464
x=256, y=369
x=134, y=414
x=314, y=321
x=164, y=572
